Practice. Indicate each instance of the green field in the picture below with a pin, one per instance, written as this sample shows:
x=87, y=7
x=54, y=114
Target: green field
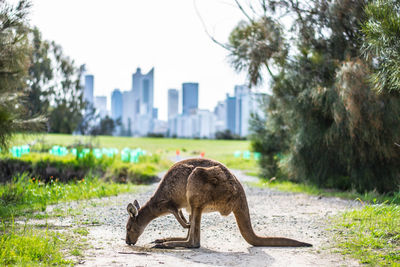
x=221, y=150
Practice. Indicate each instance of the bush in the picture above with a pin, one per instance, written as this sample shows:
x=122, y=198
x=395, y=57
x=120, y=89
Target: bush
x=144, y=172
x=45, y=166
x=67, y=168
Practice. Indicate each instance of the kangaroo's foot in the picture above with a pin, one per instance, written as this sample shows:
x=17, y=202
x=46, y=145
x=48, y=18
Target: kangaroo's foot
x=162, y=240
x=174, y=244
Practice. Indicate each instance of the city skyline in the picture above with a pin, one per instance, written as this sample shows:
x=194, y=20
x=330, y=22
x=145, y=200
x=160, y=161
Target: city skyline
x=139, y=117
x=133, y=36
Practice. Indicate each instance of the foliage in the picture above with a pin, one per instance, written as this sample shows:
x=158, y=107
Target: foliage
x=43, y=166
x=40, y=75
x=141, y=173
x=228, y=135
x=371, y=234
x=54, y=82
x=14, y=64
x=47, y=167
x=66, y=113
x=106, y=126
x=254, y=44
x=326, y=125
x=25, y=194
x=382, y=43
x=90, y=116
x=27, y=247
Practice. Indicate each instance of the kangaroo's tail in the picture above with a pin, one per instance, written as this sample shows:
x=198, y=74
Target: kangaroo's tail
x=243, y=220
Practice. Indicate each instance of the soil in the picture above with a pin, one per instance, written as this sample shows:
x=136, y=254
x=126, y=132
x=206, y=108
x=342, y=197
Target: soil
x=273, y=213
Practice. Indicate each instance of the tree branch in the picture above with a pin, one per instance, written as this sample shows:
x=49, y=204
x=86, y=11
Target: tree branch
x=243, y=11
x=227, y=47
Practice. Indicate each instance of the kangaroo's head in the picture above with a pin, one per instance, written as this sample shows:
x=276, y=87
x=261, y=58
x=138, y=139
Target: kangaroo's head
x=133, y=227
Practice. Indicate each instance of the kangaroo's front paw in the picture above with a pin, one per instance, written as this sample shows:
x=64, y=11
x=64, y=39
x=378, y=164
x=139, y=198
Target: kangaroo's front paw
x=160, y=245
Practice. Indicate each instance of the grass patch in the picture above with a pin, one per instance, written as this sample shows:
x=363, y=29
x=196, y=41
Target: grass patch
x=369, y=197
x=81, y=231
x=372, y=234
x=220, y=150
x=27, y=247
x=24, y=195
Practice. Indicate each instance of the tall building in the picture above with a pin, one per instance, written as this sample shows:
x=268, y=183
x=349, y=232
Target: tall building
x=243, y=109
x=116, y=104
x=231, y=113
x=100, y=103
x=190, y=97
x=88, y=89
x=143, y=99
x=198, y=124
x=220, y=115
x=155, y=113
x=240, y=107
x=173, y=103
x=127, y=111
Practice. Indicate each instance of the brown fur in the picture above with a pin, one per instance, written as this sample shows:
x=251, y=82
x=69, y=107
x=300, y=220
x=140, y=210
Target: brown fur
x=199, y=185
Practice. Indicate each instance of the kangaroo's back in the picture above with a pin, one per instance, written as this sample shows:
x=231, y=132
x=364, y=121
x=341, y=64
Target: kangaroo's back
x=172, y=187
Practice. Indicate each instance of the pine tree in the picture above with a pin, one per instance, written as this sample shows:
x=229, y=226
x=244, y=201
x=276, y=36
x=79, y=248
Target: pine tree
x=14, y=63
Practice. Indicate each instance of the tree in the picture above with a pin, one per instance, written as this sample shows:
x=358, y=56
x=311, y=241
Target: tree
x=90, y=116
x=67, y=104
x=325, y=123
x=14, y=64
x=55, y=88
x=106, y=126
x=41, y=74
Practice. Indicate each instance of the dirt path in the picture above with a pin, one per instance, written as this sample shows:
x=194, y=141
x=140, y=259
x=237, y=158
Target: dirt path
x=273, y=213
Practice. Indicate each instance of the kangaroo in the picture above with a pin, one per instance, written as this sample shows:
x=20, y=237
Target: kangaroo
x=198, y=185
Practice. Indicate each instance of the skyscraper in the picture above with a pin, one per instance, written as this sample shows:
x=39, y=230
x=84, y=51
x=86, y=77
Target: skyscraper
x=173, y=103
x=116, y=104
x=231, y=113
x=88, y=90
x=190, y=97
x=127, y=110
x=143, y=90
x=100, y=103
x=220, y=115
x=143, y=99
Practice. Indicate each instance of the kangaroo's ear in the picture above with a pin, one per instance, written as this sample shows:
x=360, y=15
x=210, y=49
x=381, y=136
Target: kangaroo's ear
x=136, y=204
x=132, y=210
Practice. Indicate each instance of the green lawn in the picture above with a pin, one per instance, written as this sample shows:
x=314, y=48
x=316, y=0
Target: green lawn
x=221, y=150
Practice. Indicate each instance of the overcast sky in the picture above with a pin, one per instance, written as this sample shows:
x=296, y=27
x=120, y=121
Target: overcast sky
x=115, y=37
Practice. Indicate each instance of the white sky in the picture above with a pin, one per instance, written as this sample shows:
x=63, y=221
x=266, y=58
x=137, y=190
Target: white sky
x=113, y=38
